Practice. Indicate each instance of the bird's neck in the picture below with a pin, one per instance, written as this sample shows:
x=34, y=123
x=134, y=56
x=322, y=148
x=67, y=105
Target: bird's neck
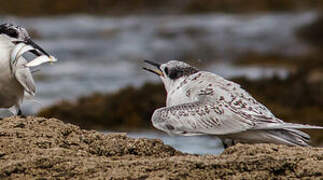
x=171, y=85
x=176, y=92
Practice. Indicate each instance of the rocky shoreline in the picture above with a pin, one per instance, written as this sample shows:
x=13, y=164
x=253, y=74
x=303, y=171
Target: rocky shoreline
x=41, y=148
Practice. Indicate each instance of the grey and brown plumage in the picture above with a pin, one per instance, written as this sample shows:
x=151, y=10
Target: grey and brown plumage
x=203, y=103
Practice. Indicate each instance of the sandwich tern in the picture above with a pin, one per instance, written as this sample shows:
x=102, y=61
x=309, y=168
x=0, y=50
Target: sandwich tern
x=15, y=75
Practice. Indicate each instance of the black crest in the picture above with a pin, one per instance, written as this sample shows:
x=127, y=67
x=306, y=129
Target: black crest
x=10, y=30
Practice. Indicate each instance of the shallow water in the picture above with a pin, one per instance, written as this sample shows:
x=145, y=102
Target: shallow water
x=98, y=53
x=193, y=144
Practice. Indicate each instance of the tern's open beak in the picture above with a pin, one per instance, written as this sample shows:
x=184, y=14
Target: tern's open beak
x=36, y=49
x=155, y=70
x=33, y=44
x=28, y=45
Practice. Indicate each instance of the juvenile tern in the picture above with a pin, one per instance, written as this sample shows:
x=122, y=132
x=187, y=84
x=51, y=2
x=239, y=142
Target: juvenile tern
x=203, y=103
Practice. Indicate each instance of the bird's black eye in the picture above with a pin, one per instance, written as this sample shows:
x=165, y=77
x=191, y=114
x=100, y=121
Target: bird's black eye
x=166, y=70
x=173, y=74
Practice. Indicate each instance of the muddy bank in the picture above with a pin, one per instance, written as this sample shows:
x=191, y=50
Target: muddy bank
x=48, y=148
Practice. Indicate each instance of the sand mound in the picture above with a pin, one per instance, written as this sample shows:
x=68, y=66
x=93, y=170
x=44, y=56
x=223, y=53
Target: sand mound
x=48, y=148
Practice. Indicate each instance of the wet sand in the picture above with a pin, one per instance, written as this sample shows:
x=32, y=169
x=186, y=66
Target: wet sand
x=40, y=148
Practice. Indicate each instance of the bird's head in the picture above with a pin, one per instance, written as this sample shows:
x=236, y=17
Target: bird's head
x=171, y=72
x=18, y=35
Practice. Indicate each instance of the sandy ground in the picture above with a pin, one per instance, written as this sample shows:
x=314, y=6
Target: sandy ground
x=39, y=148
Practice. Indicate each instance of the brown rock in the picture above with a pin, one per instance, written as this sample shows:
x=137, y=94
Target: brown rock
x=48, y=148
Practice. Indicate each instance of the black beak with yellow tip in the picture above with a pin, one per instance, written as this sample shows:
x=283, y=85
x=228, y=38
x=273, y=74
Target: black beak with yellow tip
x=36, y=46
x=37, y=51
x=156, y=70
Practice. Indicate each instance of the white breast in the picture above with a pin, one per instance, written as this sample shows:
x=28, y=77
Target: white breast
x=10, y=89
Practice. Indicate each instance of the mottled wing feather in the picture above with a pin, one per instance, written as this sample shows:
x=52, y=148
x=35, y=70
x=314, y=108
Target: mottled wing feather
x=236, y=100
x=199, y=118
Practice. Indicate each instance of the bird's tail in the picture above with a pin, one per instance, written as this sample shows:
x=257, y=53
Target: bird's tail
x=287, y=126
x=287, y=133
x=284, y=133
x=290, y=137
x=287, y=137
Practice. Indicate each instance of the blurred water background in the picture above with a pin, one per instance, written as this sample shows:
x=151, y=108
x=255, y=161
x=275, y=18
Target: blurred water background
x=103, y=53
x=106, y=53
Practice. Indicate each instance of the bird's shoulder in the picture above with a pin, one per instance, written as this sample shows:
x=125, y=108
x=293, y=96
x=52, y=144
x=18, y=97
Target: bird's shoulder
x=217, y=90
x=210, y=84
x=201, y=84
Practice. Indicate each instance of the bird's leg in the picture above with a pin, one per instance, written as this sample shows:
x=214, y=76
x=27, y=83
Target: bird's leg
x=19, y=112
x=12, y=111
x=228, y=143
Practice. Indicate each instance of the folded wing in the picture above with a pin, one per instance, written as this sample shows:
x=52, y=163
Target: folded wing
x=24, y=76
x=199, y=118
